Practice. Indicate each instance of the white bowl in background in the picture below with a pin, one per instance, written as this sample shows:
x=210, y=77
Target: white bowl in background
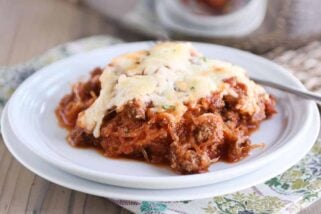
x=177, y=7
x=236, y=24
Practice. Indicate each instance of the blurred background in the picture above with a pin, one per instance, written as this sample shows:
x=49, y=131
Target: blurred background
x=255, y=25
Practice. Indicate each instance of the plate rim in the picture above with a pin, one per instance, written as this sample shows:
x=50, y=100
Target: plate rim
x=125, y=195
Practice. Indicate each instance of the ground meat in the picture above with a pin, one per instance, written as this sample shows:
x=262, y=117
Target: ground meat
x=237, y=145
x=189, y=161
x=82, y=96
x=209, y=127
x=212, y=130
x=136, y=110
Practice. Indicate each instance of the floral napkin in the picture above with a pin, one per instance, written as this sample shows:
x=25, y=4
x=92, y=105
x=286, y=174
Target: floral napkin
x=289, y=192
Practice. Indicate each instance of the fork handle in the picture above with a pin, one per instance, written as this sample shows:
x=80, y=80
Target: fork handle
x=299, y=92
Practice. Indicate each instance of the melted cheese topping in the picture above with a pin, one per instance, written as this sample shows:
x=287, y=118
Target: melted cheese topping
x=168, y=75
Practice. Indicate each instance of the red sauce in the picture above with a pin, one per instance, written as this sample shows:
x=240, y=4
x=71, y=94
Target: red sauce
x=213, y=130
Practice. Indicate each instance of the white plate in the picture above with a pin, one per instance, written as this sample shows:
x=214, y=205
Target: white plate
x=169, y=17
x=31, y=113
x=51, y=173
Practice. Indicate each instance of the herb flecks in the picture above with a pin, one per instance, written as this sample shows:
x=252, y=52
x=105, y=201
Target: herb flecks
x=168, y=107
x=204, y=58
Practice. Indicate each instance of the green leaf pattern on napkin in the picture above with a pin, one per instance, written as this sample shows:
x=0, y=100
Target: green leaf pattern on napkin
x=244, y=203
x=303, y=178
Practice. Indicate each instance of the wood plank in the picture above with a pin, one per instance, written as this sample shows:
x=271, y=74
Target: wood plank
x=23, y=184
x=42, y=24
x=6, y=161
x=8, y=29
x=100, y=205
x=9, y=185
x=36, y=195
x=77, y=202
x=56, y=200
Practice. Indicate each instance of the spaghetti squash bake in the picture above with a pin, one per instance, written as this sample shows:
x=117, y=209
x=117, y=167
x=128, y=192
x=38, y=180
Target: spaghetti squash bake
x=167, y=105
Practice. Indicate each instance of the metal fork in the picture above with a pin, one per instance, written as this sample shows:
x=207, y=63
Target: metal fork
x=299, y=92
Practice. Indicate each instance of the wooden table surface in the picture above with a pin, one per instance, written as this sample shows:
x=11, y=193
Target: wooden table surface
x=28, y=28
